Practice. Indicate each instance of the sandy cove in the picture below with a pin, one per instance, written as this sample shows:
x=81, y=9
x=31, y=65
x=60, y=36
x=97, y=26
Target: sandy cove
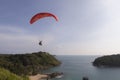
x=38, y=77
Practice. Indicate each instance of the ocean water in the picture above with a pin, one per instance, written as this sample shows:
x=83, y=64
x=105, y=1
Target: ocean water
x=76, y=67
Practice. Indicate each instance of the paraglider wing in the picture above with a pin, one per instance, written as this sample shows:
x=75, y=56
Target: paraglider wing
x=42, y=15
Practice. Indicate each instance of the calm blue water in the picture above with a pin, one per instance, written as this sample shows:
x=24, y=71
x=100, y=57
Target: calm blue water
x=75, y=67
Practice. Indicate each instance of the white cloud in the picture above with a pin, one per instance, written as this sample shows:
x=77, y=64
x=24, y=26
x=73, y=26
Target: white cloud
x=85, y=27
x=10, y=29
x=17, y=40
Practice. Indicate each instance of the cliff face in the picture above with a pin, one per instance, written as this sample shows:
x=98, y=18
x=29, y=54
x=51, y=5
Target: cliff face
x=107, y=61
x=24, y=64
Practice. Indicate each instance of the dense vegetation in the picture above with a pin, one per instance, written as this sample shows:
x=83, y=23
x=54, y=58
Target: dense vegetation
x=28, y=64
x=107, y=61
x=6, y=75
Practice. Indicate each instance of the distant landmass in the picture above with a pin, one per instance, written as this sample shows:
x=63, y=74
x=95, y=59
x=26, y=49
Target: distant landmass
x=29, y=63
x=107, y=61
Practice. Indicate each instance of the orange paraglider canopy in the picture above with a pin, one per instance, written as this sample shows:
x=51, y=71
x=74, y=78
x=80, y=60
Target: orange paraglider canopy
x=42, y=15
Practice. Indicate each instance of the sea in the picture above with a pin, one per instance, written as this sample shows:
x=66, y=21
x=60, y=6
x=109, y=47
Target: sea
x=77, y=67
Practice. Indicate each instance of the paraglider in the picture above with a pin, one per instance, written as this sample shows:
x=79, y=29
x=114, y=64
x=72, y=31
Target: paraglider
x=40, y=43
x=42, y=15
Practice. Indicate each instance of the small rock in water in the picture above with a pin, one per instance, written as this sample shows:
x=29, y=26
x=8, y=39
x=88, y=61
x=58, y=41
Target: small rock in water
x=56, y=75
x=85, y=78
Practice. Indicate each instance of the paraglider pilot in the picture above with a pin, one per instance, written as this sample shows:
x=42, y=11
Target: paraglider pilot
x=40, y=43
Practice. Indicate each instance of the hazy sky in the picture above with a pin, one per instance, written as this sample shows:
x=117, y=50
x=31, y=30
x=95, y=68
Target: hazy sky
x=85, y=27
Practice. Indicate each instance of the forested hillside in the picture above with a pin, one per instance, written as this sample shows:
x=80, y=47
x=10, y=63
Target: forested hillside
x=28, y=64
x=107, y=61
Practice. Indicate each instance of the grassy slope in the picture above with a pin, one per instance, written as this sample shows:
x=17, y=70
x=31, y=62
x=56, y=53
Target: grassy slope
x=6, y=75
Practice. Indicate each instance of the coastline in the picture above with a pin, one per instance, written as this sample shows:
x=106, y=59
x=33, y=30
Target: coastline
x=38, y=77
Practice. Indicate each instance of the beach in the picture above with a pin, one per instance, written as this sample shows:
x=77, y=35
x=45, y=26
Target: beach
x=38, y=77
